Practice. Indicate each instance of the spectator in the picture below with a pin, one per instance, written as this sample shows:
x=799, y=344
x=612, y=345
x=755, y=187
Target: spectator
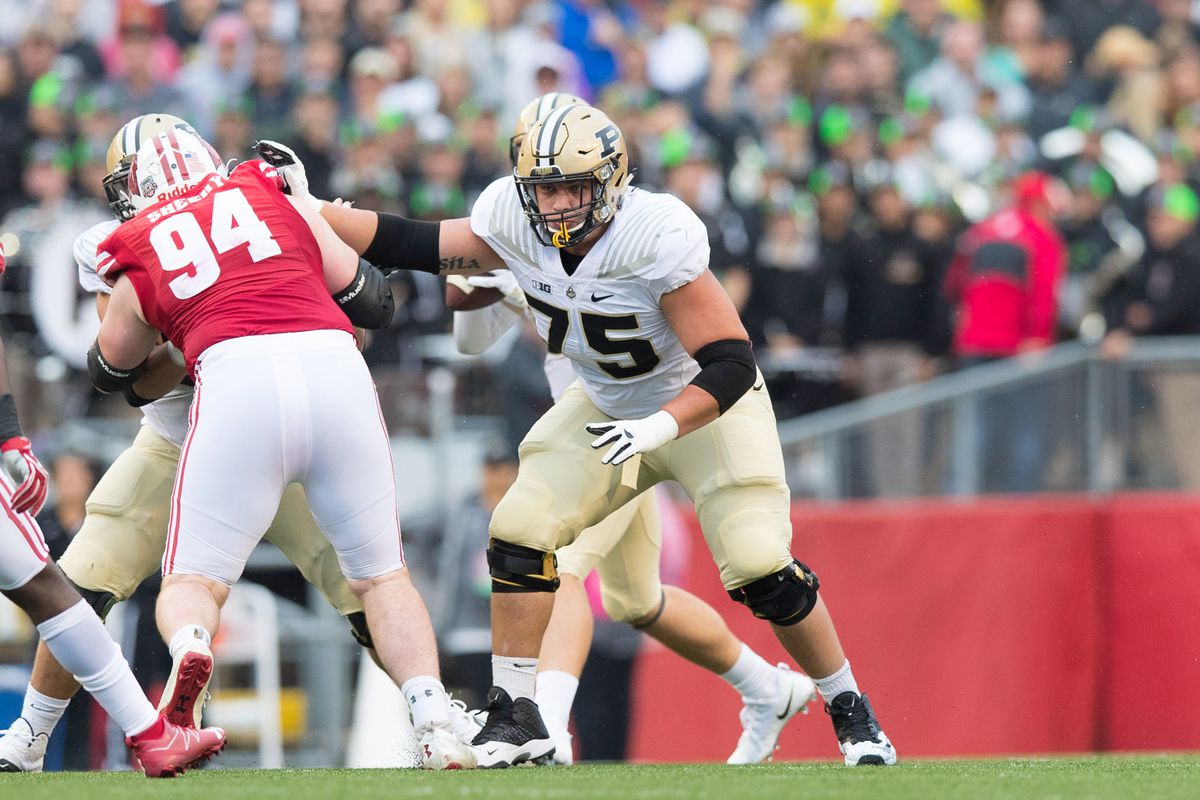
x=916, y=34
x=955, y=80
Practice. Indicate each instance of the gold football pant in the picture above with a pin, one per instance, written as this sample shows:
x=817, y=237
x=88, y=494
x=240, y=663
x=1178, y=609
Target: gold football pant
x=121, y=541
x=732, y=469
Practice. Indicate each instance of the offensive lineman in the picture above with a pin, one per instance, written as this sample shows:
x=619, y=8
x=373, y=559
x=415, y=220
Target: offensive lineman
x=240, y=279
x=122, y=538
x=64, y=621
x=668, y=387
x=624, y=549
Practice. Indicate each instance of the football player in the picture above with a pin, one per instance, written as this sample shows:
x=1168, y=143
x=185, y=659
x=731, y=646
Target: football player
x=68, y=627
x=668, y=389
x=240, y=279
x=123, y=535
x=624, y=549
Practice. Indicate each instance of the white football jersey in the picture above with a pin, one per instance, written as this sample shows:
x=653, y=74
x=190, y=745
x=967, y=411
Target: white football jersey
x=606, y=317
x=167, y=416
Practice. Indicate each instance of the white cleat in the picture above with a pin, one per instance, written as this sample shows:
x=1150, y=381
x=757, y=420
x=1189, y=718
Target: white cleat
x=20, y=750
x=187, y=686
x=859, y=736
x=465, y=723
x=763, y=721
x=442, y=749
x=564, y=753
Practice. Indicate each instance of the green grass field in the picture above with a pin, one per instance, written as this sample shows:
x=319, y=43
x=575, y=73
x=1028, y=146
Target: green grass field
x=1127, y=778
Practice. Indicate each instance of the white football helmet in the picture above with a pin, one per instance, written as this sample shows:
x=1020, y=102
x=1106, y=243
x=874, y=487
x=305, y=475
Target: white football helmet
x=168, y=164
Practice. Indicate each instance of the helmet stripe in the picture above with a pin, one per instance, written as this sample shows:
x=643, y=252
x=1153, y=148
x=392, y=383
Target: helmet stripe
x=549, y=134
x=180, y=157
x=547, y=104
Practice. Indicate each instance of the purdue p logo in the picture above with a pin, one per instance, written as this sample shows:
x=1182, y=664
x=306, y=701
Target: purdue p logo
x=608, y=136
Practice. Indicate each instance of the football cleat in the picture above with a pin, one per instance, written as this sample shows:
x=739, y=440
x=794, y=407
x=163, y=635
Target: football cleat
x=763, y=721
x=513, y=734
x=20, y=750
x=465, y=723
x=859, y=737
x=187, y=687
x=166, y=750
x=442, y=749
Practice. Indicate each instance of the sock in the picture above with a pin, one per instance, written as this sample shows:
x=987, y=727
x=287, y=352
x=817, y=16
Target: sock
x=517, y=676
x=426, y=699
x=752, y=676
x=555, y=695
x=833, y=685
x=79, y=642
x=42, y=712
x=186, y=634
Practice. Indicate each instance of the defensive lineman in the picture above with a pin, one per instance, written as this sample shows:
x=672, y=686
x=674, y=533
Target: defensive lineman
x=64, y=621
x=240, y=279
x=618, y=281
x=123, y=535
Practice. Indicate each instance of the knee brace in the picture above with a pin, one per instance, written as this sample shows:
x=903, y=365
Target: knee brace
x=359, y=629
x=517, y=568
x=101, y=602
x=784, y=597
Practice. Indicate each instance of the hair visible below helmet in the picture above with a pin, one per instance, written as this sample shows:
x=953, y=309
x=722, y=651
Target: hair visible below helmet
x=167, y=165
x=573, y=143
x=124, y=147
x=537, y=108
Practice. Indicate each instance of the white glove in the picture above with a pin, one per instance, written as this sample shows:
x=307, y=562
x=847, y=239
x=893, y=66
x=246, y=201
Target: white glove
x=629, y=437
x=503, y=281
x=29, y=478
x=290, y=169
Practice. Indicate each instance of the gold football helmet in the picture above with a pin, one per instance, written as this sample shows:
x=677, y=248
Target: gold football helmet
x=537, y=108
x=124, y=147
x=573, y=144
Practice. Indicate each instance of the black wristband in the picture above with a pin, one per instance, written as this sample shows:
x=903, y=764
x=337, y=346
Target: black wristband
x=10, y=426
x=402, y=243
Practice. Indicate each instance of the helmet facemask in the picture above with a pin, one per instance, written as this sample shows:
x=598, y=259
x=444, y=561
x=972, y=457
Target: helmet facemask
x=553, y=227
x=116, y=188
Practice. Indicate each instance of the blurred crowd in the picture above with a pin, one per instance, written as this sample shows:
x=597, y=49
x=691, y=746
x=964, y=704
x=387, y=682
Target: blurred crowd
x=892, y=188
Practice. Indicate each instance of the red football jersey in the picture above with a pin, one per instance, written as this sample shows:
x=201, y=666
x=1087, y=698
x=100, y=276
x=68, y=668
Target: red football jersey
x=228, y=258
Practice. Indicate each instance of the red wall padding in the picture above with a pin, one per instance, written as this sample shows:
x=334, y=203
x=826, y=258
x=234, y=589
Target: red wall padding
x=984, y=627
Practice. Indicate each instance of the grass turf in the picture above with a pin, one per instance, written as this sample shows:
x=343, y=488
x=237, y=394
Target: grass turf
x=1124, y=777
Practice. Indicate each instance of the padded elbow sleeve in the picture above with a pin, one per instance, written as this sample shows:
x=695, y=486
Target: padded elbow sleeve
x=727, y=370
x=106, y=377
x=402, y=243
x=367, y=302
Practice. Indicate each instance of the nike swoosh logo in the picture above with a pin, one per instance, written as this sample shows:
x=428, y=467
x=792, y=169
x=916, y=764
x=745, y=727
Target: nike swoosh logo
x=756, y=388
x=788, y=707
x=524, y=666
x=596, y=298
x=492, y=752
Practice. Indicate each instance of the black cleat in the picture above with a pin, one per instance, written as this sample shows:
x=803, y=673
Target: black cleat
x=514, y=732
x=859, y=736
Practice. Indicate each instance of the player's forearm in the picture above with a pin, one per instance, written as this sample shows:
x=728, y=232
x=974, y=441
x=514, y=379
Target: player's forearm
x=162, y=374
x=692, y=408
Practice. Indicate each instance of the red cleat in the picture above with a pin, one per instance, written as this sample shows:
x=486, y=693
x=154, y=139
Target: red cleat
x=187, y=687
x=165, y=750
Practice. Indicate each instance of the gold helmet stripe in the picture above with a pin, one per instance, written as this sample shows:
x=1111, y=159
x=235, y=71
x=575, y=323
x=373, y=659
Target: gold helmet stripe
x=548, y=135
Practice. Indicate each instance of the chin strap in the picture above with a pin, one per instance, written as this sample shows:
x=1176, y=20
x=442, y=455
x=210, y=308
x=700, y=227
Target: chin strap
x=562, y=236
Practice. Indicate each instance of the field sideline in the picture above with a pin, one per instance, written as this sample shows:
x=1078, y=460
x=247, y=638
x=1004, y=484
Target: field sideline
x=1099, y=777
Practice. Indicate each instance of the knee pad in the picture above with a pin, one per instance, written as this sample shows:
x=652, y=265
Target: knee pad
x=101, y=602
x=784, y=597
x=359, y=629
x=517, y=568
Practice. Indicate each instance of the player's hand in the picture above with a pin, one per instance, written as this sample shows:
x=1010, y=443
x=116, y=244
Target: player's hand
x=290, y=169
x=29, y=478
x=625, y=438
x=503, y=281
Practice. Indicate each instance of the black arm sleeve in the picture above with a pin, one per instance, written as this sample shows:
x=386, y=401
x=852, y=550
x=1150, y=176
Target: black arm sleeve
x=401, y=243
x=727, y=370
x=108, y=378
x=367, y=302
x=10, y=426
